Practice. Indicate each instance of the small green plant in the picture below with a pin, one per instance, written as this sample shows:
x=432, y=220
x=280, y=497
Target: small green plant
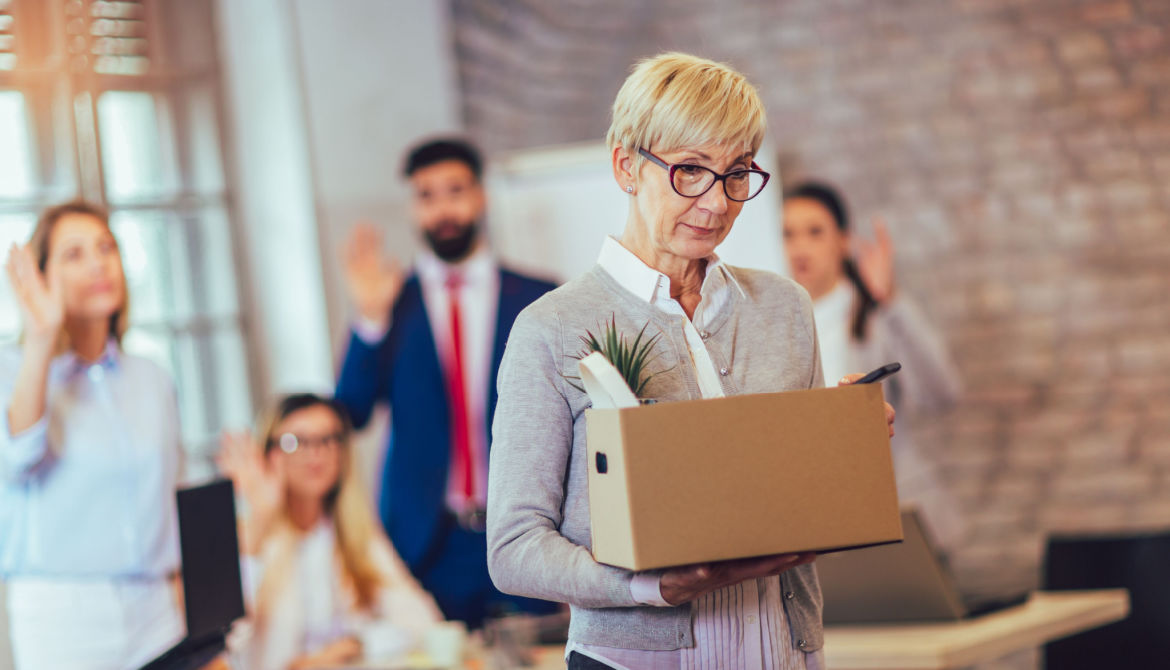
x=630, y=358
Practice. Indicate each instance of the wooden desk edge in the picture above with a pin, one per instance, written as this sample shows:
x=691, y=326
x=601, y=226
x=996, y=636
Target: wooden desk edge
x=962, y=643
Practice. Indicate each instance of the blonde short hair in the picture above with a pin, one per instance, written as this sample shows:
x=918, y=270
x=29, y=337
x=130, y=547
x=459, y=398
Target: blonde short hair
x=675, y=100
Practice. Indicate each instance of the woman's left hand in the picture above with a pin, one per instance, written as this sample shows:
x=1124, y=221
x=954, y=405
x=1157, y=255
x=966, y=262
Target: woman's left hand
x=851, y=378
x=875, y=262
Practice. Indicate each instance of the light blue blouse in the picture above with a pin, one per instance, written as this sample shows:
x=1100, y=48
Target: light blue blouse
x=89, y=491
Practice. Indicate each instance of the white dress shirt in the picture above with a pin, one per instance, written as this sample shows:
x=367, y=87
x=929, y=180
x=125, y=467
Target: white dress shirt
x=311, y=606
x=738, y=627
x=88, y=527
x=479, y=296
x=833, y=314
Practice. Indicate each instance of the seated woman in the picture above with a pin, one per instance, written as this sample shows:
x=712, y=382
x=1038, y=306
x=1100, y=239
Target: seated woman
x=323, y=583
x=89, y=460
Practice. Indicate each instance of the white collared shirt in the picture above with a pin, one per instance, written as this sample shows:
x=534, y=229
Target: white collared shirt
x=89, y=490
x=738, y=627
x=479, y=297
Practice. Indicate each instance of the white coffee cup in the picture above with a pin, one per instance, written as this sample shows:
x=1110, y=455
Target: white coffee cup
x=445, y=643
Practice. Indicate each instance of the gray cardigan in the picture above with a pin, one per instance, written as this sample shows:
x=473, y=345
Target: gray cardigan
x=538, y=504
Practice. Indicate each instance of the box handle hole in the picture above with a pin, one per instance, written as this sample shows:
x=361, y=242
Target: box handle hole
x=602, y=464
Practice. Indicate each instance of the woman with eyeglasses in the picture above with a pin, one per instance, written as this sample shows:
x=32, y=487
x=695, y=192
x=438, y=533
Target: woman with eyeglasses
x=89, y=460
x=683, y=142
x=324, y=586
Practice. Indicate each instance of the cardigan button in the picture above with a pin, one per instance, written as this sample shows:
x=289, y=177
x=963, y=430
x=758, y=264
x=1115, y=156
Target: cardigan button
x=801, y=643
x=789, y=595
x=724, y=371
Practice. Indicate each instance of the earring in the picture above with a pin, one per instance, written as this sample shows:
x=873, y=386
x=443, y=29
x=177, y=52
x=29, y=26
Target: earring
x=629, y=188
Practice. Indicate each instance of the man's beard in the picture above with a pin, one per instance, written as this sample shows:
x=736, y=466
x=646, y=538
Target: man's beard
x=453, y=247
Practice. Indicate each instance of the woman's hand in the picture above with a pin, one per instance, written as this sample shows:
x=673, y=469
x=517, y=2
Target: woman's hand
x=41, y=299
x=345, y=650
x=259, y=480
x=875, y=263
x=890, y=413
x=373, y=280
x=682, y=585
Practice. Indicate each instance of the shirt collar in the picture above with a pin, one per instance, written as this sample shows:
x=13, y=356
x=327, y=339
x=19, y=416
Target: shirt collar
x=110, y=360
x=477, y=267
x=645, y=282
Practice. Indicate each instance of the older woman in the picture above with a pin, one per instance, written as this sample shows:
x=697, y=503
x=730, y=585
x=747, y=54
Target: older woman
x=684, y=134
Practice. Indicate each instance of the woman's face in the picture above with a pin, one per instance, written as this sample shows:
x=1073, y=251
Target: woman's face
x=314, y=467
x=669, y=226
x=815, y=247
x=83, y=256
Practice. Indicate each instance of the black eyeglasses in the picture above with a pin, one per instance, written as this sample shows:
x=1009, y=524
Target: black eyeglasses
x=691, y=181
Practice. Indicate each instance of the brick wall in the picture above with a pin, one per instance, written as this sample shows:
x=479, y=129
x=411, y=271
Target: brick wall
x=1020, y=151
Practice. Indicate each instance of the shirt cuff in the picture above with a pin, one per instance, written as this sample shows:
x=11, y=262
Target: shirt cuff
x=646, y=588
x=369, y=331
x=24, y=450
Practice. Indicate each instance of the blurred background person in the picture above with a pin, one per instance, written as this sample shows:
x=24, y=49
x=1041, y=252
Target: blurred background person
x=324, y=585
x=864, y=322
x=430, y=345
x=89, y=460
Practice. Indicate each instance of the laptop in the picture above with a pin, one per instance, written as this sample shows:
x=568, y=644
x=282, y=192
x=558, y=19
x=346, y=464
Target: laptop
x=213, y=595
x=900, y=582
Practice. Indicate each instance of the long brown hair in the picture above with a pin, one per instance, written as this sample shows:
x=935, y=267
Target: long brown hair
x=40, y=243
x=354, y=525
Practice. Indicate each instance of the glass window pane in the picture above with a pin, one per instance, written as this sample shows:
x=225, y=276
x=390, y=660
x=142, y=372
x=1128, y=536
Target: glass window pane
x=192, y=404
x=16, y=169
x=232, y=390
x=133, y=153
x=210, y=252
x=14, y=228
x=155, y=264
x=153, y=344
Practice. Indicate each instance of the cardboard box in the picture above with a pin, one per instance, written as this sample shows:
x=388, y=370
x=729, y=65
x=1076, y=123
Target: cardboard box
x=751, y=475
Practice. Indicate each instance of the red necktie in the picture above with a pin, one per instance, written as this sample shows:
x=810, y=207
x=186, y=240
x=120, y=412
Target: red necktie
x=457, y=398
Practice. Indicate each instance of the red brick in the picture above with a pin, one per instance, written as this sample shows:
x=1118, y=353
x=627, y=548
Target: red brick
x=1139, y=41
x=1108, y=13
x=1083, y=47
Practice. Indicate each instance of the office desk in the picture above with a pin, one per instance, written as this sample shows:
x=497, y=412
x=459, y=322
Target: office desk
x=1045, y=617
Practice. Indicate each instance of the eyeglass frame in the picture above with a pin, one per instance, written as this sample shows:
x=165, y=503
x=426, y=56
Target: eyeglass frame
x=301, y=443
x=672, y=167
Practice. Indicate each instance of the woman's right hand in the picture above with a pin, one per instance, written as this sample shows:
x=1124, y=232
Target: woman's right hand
x=41, y=299
x=373, y=279
x=259, y=480
x=682, y=585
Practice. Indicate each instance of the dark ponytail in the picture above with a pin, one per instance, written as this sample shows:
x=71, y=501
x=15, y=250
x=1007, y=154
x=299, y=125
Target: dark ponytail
x=828, y=197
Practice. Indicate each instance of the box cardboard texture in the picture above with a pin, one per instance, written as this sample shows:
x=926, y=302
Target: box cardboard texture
x=750, y=475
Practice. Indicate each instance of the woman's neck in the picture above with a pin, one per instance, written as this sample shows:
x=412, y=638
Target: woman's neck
x=685, y=274
x=88, y=337
x=305, y=513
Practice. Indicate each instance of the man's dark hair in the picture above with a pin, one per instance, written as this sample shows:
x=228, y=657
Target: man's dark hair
x=437, y=151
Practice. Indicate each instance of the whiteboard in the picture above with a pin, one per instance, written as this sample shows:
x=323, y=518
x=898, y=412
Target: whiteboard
x=551, y=208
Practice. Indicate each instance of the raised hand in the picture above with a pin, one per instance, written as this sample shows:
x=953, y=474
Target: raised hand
x=875, y=262
x=260, y=480
x=41, y=299
x=373, y=279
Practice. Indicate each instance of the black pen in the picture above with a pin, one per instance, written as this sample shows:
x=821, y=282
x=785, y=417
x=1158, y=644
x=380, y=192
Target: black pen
x=880, y=373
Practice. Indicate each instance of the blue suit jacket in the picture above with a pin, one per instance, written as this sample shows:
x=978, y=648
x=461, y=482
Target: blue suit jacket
x=404, y=370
